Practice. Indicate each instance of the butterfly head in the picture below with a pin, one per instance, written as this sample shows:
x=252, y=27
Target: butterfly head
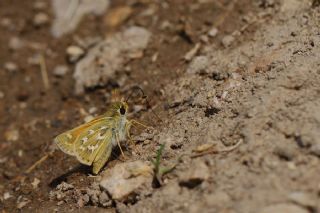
x=119, y=108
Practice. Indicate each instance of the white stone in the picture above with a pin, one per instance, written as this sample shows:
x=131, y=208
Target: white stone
x=127, y=178
x=60, y=70
x=40, y=19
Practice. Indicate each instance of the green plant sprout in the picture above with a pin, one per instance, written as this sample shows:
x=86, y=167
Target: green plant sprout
x=159, y=171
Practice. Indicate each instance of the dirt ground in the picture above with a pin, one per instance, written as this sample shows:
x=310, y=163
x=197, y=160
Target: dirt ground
x=236, y=84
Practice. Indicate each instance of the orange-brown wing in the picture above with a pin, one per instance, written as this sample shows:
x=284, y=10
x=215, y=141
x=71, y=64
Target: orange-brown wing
x=65, y=141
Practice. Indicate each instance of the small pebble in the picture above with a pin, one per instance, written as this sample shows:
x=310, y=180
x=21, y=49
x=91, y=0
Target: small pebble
x=10, y=66
x=1, y=95
x=227, y=40
x=15, y=43
x=20, y=153
x=35, y=183
x=285, y=152
x=74, y=53
x=104, y=199
x=60, y=203
x=60, y=70
x=88, y=118
x=92, y=110
x=197, y=173
x=40, y=19
x=213, y=32
x=198, y=65
x=6, y=22
x=204, y=38
x=6, y=195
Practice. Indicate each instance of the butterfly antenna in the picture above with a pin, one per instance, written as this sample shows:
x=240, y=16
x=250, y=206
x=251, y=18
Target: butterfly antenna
x=135, y=88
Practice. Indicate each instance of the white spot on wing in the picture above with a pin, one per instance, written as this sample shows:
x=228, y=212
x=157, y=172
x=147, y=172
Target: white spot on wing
x=92, y=148
x=82, y=148
x=91, y=131
x=100, y=137
x=69, y=136
x=103, y=127
x=84, y=140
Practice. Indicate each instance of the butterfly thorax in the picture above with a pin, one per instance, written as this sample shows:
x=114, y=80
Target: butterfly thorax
x=118, y=112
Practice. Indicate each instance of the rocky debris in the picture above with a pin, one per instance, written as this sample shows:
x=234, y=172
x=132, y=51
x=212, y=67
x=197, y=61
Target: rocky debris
x=197, y=172
x=227, y=40
x=68, y=14
x=283, y=207
x=40, y=19
x=74, y=53
x=104, y=200
x=60, y=70
x=303, y=199
x=127, y=179
x=108, y=57
x=22, y=202
x=83, y=200
x=66, y=193
x=198, y=65
x=63, y=190
x=11, y=67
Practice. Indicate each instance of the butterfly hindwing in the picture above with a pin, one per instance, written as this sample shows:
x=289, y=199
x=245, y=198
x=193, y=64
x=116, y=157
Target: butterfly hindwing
x=93, y=141
x=102, y=157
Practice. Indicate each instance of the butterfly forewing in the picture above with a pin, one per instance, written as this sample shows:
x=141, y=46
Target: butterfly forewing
x=66, y=140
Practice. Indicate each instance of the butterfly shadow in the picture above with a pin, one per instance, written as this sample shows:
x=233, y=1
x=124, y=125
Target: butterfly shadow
x=83, y=169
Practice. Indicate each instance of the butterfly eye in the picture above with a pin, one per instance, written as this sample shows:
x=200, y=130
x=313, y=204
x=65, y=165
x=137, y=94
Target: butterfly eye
x=122, y=110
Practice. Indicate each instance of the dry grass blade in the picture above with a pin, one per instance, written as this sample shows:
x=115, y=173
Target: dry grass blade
x=44, y=72
x=213, y=150
x=31, y=168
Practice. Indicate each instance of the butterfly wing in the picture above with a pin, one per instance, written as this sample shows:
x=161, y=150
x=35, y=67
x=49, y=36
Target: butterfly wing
x=89, y=144
x=102, y=157
x=66, y=140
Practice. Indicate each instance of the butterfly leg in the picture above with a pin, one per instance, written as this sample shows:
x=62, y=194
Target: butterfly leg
x=128, y=125
x=118, y=142
x=136, y=122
